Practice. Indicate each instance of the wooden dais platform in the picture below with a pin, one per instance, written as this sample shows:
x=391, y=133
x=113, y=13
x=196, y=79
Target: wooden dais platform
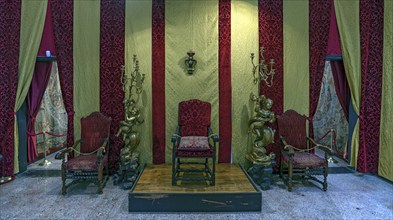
x=233, y=192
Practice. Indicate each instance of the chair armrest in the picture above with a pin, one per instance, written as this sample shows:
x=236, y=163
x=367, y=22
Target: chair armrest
x=214, y=137
x=101, y=151
x=289, y=148
x=174, y=138
x=326, y=149
x=62, y=153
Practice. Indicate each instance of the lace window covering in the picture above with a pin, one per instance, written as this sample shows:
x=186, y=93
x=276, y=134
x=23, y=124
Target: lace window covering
x=329, y=115
x=52, y=116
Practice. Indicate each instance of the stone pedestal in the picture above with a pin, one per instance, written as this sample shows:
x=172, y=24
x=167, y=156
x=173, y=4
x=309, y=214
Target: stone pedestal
x=126, y=174
x=262, y=175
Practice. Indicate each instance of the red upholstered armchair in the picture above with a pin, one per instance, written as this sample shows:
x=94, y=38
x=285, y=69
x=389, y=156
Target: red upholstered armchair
x=297, y=150
x=89, y=161
x=194, y=139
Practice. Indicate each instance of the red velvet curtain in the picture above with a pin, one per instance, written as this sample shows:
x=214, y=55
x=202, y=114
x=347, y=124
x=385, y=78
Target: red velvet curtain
x=37, y=88
x=62, y=15
x=224, y=80
x=271, y=37
x=319, y=25
x=38, y=85
x=10, y=12
x=48, y=37
x=371, y=42
x=341, y=85
x=334, y=46
x=112, y=43
x=158, y=80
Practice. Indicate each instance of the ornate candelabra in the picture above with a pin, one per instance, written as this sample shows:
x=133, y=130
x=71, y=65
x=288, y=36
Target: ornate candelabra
x=263, y=74
x=128, y=165
x=261, y=168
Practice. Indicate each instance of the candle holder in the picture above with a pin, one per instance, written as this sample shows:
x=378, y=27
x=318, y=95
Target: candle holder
x=264, y=74
x=129, y=158
x=261, y=163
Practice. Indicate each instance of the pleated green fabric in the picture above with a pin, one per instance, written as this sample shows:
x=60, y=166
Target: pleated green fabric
x=386, y=135
x=86, y=47
x=347, y=14
x=296, y=56
x=138, y=41
x=244, y=40
x=190, y=25
x=32, y=25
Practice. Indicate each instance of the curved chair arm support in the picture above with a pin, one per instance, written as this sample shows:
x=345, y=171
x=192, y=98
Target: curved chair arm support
x=174, y=138
x=289, y=148
x=214, y=137
x=101, y=151
x=62, y=154
x=326, y=149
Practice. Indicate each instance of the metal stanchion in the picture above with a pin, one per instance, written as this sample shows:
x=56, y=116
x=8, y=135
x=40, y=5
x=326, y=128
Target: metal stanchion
x=330, y=159
x=45, y=162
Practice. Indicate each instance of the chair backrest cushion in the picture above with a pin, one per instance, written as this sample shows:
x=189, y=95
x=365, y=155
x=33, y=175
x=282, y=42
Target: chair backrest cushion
x=194, y=117
x=95, y=129
x=292, y=126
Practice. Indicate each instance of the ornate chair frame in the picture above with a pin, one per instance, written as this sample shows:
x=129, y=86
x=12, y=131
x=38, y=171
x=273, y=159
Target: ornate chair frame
x=99, y=154
x=297, y=150
x=179, y=154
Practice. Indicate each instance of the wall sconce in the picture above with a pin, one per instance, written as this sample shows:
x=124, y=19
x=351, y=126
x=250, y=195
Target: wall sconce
x=190, y=62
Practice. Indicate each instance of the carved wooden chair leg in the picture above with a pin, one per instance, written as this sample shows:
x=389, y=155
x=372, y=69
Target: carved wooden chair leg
x=100, y=174
x=214, y=172
x=206, y=166
x=290, y=170
x=281, y=168
x=325, y=174
x=63, y=178
x=173, y=170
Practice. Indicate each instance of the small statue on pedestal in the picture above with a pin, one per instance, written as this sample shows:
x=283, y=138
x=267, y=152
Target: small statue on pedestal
x=261, y=168
x=264, y=134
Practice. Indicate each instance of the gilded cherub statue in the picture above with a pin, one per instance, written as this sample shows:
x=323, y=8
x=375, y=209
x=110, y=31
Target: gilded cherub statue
x=131, y=138
x=264, y=134
x=132, y=87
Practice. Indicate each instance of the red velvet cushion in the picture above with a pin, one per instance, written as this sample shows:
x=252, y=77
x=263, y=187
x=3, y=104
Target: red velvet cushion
x=199, y=143
x=85, y=162
x=304, y=159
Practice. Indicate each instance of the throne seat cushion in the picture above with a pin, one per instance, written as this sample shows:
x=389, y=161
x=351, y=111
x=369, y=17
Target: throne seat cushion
x=85, y=162
x=194, y=143
x=305, y=159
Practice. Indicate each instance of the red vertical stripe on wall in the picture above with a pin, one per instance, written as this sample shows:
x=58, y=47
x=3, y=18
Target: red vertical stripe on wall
x=270, y=13
x=158, y=80
x=224, y=80
x=371, y=46
x=10, y=12
x=112, y=43
x=62, y=17
x=319, y=25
